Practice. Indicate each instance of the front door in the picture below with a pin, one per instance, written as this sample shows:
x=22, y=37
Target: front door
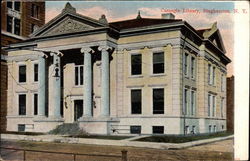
x=78, y=109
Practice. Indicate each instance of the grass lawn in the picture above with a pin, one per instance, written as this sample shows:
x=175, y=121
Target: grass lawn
x=101, y=137
x=182, y=138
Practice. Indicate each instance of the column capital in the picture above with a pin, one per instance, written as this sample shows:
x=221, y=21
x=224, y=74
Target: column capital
x=85, y=50
x=58, y=53
x=104, y=47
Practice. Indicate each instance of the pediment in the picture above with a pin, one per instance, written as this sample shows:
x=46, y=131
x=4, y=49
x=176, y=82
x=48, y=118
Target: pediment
x=67, y=25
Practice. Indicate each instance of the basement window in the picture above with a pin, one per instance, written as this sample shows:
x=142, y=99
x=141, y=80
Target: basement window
x=135, y=129
x=21, y=127
x=158, y=129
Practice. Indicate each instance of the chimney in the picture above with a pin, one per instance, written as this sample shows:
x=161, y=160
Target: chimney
x=169, y=16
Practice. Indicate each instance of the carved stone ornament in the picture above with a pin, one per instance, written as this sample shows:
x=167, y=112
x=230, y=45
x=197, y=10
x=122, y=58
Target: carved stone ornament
x=69, y=26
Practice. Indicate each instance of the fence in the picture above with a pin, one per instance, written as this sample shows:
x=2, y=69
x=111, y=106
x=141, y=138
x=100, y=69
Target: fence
x=123, y=156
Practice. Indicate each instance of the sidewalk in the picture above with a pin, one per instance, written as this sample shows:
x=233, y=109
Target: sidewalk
x=126, y=142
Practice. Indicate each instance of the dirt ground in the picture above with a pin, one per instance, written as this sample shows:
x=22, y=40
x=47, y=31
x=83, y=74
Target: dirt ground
x=222, y=150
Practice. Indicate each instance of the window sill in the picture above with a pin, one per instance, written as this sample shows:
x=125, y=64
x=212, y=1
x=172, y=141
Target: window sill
x=158, y=75
x=81, y=86
x=35, y=18
x=135, y=76
x=22, y=83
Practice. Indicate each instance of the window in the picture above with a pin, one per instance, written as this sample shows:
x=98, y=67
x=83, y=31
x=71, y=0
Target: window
x=35, y=72
x=215, y=128
x=79, y=75
x=135, y=129
x=136, y=64
x=158, y=101
x=192, y=102
x=35, y=103
x=222, y=127
x=211, y=105
x=223, y=83
x=186, y=64
x=221, y=107
x=16, y=26
x=13, y=25
x=158, y=129
x=186, y=129
x=192, y=67
x=21, y=127
x=22, y=73
x=214, y=110
x=209, y=128
x=211, y=74
x=136, y=101
x=193, y=130
x=9, y=4
x=22, y=104
x=158, y=63
x=34, y=11
x=17, y=6
x=34, y=28
x=14, y=5
x=9, y=24
x=185, y=106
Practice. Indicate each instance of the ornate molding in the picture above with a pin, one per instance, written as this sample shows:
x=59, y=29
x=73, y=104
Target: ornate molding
x=86, y=50
x=69, y=26
x=103, y=47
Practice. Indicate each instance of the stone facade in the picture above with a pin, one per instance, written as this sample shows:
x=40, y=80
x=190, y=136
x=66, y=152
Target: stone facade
x=86, y=76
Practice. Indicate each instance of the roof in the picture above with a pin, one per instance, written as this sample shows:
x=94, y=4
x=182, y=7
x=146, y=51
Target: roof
x=140, y=22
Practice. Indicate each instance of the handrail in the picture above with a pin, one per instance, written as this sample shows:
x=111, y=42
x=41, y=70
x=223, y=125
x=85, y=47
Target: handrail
x=123, y=156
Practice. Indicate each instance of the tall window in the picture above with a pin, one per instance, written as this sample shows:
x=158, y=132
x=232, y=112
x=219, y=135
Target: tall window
x=136, y=101
x=192, y=67
x=35, y=11
x=185, y=106
x=35, y=72
x=22, y=73
x=13, y=25
x=192, y=102
x=35, y=103
x=78, y=75
x=186, y=64
x=214, y=109
x=158, y=63
x=211, y=74
x=158, y=101
x=22, y=104
x=221, y=107
x=136, y=64
x=223, y=83
x=211, y=105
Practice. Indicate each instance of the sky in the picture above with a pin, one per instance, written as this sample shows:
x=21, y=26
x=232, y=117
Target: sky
x=195, y=13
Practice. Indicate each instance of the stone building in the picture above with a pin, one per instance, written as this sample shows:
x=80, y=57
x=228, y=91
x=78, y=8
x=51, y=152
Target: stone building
x=137, y=76
x=18, y=21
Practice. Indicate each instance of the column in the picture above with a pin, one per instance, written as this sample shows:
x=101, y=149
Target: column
x=41, y=86
x=87, y=107
x=56, y=86
x=105, y=110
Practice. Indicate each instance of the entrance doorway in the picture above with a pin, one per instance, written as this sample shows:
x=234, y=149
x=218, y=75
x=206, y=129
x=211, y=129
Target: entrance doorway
x=78, y=109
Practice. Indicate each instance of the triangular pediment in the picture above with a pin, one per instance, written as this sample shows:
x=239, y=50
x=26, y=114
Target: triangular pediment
x=68, y=22
x=67, y=25
x=217, y=40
